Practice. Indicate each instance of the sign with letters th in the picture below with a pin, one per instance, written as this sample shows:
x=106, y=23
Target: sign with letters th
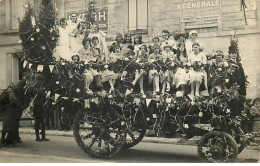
x=101, y=17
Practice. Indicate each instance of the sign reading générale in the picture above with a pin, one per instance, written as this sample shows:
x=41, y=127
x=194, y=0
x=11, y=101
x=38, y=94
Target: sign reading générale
x=199, y=10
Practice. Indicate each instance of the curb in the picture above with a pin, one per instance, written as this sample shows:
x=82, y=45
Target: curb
x=191, y=142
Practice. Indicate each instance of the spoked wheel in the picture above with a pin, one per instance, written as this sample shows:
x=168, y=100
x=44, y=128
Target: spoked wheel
x=240, y=143
x=97, y=137
x=134, y=136
x=217, y=146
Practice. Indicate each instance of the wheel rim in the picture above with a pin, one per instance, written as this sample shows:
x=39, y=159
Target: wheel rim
x=97, y=137
x=134, y=136
x=217, y=147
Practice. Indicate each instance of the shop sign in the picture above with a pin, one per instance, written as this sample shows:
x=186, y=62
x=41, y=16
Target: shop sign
x=200, y=10
x=101, y=17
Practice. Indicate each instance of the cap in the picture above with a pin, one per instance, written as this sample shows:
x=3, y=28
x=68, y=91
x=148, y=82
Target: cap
x=193, y=32
x=196, y=44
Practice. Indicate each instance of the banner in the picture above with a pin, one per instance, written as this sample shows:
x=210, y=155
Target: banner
x=128, y=92
x=56, y=96
x=75, y=99
x=24, y=64
x=39, y=68
x=148, y=102
x=51, y=68
x=200, y=10
x=48, y=94
x=87, y=104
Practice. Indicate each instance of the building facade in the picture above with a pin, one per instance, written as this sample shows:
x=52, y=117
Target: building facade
x=215, y=21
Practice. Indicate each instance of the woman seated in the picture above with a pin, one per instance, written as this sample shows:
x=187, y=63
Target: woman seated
x=154, y=76
x=182, y=73
x=141, y=58
x=165, y=75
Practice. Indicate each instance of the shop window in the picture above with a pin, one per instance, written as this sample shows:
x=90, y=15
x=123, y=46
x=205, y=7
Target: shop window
x=12, y=68
x=138, y=14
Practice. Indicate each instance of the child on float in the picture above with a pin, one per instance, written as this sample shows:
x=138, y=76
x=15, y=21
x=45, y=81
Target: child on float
x=87, y=56
x=182, y=73
x=193, y=37
x=167, y=54
x=107, y=74
x=155, y=41
x=126, y=42
x=166, y=76
x=137, y=44
x=73, y=22
x=118, y=39
x=85, y=53
x=101, y=36
x=172, y=42
x=116, y=54
x=217, y=72
x=165, y=35
x=91, y=73
x=97, y=50
x=62, y=49
x=154, y=76
x=197, y=59
x=78, y=34
x=127, y=39
x=141, y=58
x=129, y=53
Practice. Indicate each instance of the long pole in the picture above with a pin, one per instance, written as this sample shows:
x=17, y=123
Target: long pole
x=243, y=7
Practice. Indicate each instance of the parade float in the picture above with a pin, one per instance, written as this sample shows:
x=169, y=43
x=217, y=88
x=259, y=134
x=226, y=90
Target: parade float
x=107, y=121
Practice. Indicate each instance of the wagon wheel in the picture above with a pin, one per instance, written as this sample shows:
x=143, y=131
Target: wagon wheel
x=134, y=136
x=217, y=146
x=241, y=146
x=240, y=143
x=96, y=137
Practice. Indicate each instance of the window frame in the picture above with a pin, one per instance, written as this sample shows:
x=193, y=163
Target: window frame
x=136, y=30
x=9, y=17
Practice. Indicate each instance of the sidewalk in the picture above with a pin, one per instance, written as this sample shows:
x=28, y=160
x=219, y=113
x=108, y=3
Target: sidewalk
x=193, y=141
x=30, y=130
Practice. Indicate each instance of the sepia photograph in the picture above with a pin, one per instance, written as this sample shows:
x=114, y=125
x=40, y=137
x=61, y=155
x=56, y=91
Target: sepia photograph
x=129, y=81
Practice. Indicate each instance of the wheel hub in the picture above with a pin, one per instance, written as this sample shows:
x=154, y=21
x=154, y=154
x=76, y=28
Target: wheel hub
x=216, y=150
x=98, y=131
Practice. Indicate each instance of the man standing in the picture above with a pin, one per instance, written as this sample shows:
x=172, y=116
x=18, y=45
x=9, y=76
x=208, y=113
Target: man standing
x=38, y=113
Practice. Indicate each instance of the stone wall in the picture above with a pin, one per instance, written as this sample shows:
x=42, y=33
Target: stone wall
x=2, y=16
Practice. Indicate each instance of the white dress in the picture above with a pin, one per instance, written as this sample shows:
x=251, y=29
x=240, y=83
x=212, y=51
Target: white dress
x=62, y=49
x=196, y=75
x=102, y=42
x=153, y=72
x=168, y=56
x=181, y=77
x=189, y=43
x=71, y=27
x=76, y=43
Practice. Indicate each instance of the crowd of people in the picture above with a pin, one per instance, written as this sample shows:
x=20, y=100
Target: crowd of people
x=79, y=44
x=195, y=74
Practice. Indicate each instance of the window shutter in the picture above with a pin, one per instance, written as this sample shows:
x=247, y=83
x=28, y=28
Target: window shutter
x=132, y=14
x=17, y=11
x=142, y=14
